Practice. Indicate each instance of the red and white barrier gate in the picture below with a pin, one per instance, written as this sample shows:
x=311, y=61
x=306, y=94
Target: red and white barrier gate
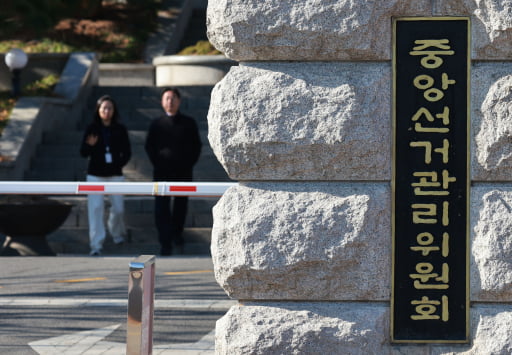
x=202, y=189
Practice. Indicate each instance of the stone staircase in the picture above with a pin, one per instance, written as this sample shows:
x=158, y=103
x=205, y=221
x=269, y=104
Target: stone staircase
x=58, y=159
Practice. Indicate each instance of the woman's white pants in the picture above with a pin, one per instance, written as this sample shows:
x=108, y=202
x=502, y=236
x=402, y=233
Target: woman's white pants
x=96, y=213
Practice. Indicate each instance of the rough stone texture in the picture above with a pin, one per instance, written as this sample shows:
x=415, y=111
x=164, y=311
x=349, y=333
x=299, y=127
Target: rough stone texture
x=344, y=30
x=324, y=241
x=332, y=121
x=492, y=121
x=491, y=213
x=302, y=328
x=346, y=328
x=303, y=241
x=490, y=333
x=309, y=30
x=307, y=120
x=303, y=121
x=491, y=23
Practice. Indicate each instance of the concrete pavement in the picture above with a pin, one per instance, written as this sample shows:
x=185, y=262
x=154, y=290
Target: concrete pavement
x=77, y=305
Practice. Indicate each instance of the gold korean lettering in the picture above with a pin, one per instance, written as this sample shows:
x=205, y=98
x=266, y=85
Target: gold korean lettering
x=423, y=210
x=425, y=274
x=444, y=116
x=426, y=240
x=429, y=179
x=431, y=59
x=426, y=309
x=425, y=82
x=428, y=150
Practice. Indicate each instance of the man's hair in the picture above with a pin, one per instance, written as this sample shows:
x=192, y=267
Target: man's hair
x=173, y=89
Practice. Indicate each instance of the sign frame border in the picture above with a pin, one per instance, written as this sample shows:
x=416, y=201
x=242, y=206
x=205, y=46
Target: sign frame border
x=468, y=176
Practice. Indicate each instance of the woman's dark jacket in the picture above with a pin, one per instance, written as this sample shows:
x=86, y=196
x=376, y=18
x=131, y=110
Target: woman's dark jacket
x=116, y=136
x=173, y=145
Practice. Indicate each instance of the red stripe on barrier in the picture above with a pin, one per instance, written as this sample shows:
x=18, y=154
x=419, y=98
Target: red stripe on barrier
x=183, y=188
x=91, y=188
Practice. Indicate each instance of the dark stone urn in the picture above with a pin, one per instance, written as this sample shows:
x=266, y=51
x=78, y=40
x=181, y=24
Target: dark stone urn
x=26, y=220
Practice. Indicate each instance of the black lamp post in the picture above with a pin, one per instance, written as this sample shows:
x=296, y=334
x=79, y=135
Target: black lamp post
x=16, y=60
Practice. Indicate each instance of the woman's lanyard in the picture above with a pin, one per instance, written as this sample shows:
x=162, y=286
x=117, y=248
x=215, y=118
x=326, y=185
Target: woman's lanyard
x=107, y=132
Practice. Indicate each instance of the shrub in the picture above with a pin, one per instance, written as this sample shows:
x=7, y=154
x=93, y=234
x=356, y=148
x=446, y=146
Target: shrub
x=200, y=48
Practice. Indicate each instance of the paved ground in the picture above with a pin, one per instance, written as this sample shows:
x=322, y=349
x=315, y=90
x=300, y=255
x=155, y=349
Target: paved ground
x=78, y=305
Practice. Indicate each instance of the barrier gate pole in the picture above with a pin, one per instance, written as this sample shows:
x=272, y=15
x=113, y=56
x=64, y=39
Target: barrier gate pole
x=141, y=291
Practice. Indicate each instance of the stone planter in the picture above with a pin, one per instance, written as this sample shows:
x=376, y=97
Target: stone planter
x=27, y=220
x=190, y=70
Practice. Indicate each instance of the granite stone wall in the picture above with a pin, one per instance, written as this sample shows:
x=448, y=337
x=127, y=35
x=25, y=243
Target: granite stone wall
x=304, y=124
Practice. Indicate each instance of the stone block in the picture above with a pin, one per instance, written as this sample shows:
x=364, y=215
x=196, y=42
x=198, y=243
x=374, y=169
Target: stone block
x=346, y=328
x=328, y=30
x=491, y=97
x=490, y=332
x=332, y=121
x=303, y=328
x=491, y=252
x=74, y=76
x=325, y=241
x=303, y=121
x=126, y=74
x=309, y=241
x=491, y=25
x=344, y=30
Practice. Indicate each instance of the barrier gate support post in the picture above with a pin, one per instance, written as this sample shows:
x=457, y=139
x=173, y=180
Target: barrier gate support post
x=141, y=290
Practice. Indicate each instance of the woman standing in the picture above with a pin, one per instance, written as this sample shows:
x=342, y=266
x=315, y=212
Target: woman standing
x=107, y=146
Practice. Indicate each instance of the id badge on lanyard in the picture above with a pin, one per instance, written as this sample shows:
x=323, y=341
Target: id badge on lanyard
x=108, y=156
x=106, y=138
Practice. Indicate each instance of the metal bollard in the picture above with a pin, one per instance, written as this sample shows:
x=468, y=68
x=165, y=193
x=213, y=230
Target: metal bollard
x=141, y=291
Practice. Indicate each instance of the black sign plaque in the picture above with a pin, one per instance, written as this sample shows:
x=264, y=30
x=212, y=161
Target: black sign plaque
x=430, y=290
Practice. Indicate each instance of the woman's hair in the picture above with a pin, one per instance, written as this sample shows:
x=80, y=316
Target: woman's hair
x=97, y=118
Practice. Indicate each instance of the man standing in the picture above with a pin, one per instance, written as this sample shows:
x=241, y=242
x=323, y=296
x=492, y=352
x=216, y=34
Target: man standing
x=173, y=146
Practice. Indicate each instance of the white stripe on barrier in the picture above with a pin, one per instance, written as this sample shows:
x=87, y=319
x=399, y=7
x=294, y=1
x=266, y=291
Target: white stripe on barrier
x=204, y=189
